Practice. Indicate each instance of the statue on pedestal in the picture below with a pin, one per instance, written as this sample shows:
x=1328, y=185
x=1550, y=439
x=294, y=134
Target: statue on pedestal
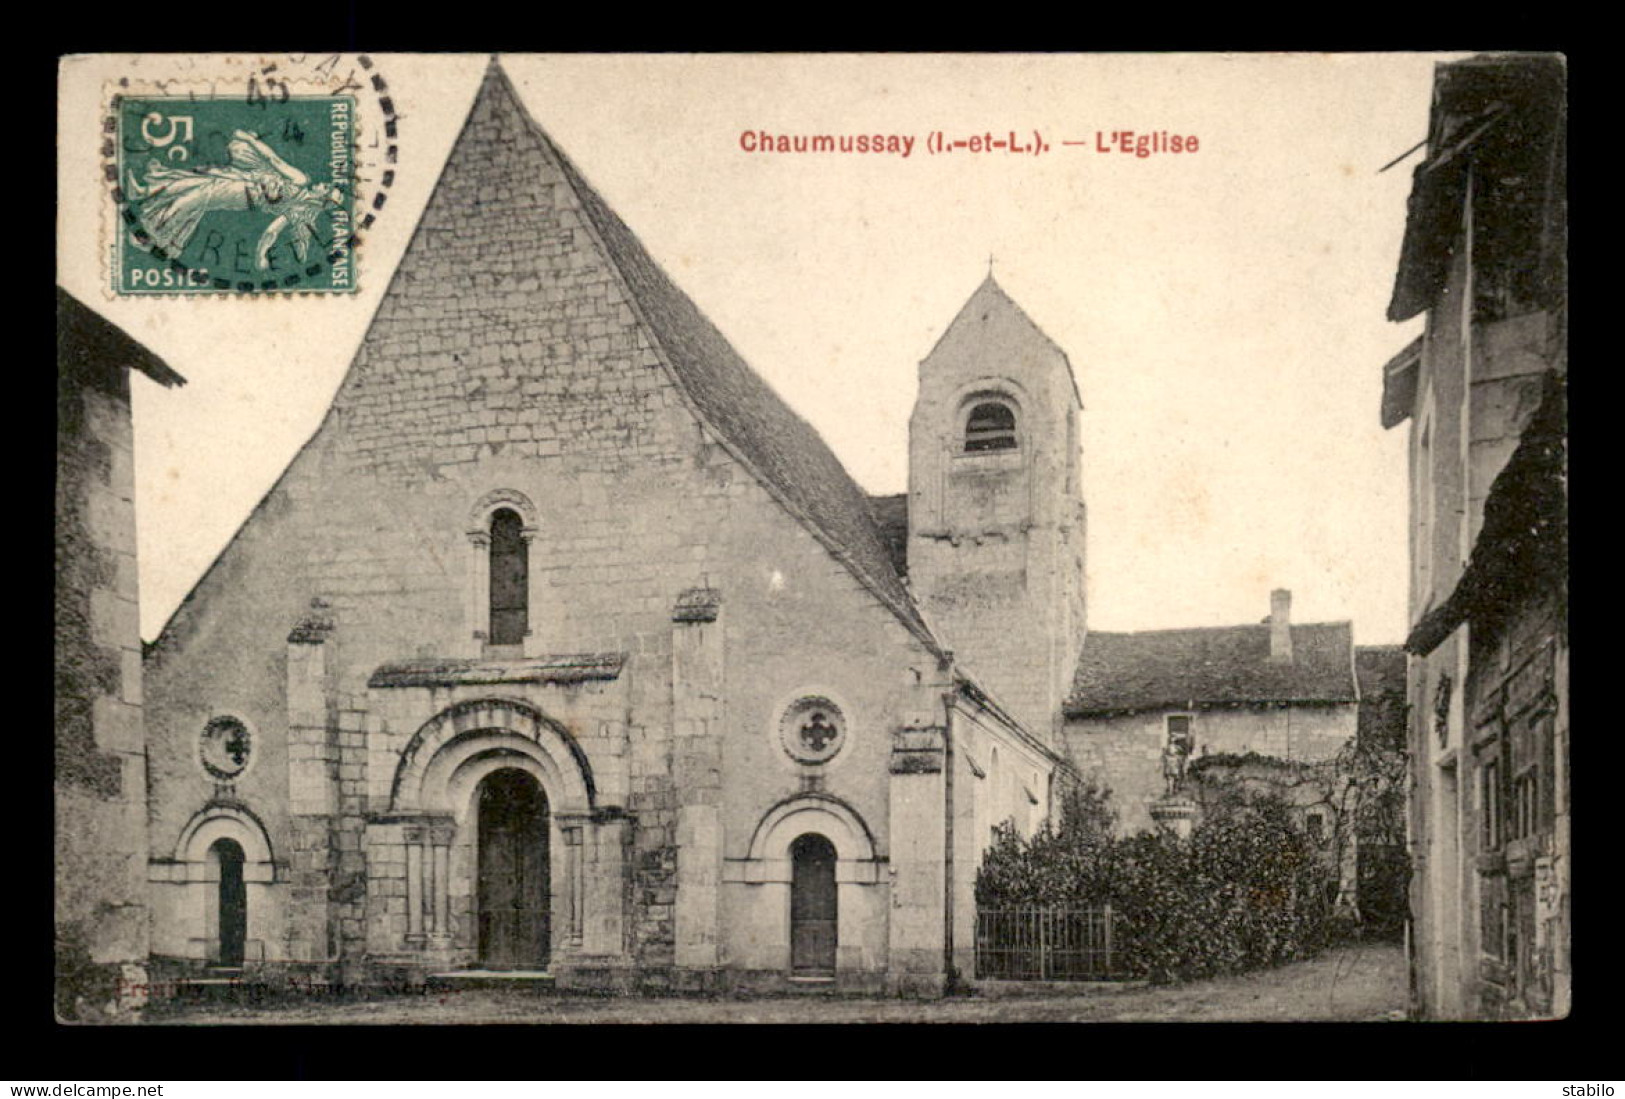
x=1176, y=755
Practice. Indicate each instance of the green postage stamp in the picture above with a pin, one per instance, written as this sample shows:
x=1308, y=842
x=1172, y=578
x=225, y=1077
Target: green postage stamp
x=231, y=194
x=248, y=174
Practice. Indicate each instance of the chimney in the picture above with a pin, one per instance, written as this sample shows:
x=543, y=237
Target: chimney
x=1280, y=626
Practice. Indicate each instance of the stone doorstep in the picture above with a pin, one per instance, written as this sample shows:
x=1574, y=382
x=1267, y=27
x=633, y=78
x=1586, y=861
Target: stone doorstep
x=529, y=980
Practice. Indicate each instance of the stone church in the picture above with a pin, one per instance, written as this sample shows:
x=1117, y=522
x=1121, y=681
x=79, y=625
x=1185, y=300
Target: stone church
x=564, y=646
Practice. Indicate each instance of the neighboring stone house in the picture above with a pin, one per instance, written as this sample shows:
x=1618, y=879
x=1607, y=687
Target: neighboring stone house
x=564, y=645
x=1484, y=258
x=1281, y=690
x=1291, y=710
x=100, y=771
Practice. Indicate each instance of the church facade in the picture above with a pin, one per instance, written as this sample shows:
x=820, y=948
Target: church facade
x=565, y=646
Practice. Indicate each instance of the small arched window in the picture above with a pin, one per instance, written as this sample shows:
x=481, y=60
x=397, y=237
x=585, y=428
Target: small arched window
x=990, y=426
x=510, y=578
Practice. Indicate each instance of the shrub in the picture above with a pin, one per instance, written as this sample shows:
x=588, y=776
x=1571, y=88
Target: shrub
x=1243, y=892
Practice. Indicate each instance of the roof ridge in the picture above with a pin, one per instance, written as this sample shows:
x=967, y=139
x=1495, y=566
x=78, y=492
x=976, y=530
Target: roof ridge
x=1212, y=665
x=1233, y=626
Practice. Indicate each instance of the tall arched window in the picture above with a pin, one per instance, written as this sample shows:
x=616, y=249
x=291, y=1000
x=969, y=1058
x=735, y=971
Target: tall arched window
x=990, y=426
x=510, y=578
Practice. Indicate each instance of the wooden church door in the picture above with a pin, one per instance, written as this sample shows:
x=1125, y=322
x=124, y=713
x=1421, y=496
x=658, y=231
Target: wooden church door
x=231, y=903
x=812, y=907
x=513, y=872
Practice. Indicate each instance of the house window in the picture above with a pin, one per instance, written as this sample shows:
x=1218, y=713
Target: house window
x=510, y=578
x=1492, y=920
x=1530, y=808
x=1316, y=825
x=990, y=426
x=1424, y=480
x=1524, y=812
x=1181, y=734
x=1491, y=812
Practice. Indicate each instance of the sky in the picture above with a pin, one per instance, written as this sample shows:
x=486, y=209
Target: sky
x=1223, y=310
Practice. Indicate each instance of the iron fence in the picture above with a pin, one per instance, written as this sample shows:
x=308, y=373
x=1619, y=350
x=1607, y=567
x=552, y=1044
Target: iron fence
x=1044, y=943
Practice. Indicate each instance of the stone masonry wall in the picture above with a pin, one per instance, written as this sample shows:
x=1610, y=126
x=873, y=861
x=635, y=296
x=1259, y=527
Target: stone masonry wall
x=1126, y=752
x=101, y=850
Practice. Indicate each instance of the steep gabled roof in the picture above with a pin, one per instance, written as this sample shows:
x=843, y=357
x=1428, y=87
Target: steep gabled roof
x=1121, y=673
x=784, y=451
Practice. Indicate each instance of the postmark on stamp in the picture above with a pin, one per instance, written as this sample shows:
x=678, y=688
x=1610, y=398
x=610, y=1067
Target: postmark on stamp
x=258, y=180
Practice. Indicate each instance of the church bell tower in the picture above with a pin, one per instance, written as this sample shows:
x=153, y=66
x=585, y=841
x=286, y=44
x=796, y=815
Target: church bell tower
x=996, y=514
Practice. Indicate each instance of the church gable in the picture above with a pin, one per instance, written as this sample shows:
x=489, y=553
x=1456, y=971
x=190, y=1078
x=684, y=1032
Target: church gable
x=506, y=331
x=526, y=322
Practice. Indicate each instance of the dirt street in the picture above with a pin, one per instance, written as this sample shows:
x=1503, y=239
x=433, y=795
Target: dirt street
x=1350, y=984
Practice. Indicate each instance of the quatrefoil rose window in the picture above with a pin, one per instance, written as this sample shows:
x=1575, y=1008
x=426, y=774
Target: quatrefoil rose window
x=224, y=748
x=812, y=730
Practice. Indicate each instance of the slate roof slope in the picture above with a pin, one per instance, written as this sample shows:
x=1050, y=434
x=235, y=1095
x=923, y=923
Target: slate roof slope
x=87, y=341
x=1122, y=673
x=785, y=451
x=891, y=514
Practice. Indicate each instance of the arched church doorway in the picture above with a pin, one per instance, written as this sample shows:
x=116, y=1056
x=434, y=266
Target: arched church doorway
x=231, y=902
x=812, y=906
x=514, y=891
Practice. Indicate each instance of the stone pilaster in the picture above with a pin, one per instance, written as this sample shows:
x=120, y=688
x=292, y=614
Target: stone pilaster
x=313, y=775
x=605, y=855
x=918, y=836
x=697, y=692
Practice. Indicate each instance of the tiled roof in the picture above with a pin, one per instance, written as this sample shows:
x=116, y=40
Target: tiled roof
x=784, y=451
x=1227, y=665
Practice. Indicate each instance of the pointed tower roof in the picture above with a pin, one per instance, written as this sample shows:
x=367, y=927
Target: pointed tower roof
x=990, y=298
x=496, y=163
